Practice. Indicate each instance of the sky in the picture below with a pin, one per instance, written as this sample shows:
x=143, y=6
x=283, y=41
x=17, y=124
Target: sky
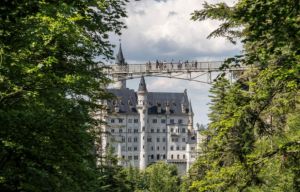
x=163, y=30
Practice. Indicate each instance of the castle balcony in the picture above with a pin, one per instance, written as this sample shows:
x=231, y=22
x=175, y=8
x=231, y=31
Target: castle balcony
x=175, y=134
x=176, y=161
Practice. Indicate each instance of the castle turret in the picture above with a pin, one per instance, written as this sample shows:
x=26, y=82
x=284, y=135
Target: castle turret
x=143, y=112
x=168, y=108
x=191, y=116
x=120, y=82
x=119, y=154
x=188, y=157
x=184, y=102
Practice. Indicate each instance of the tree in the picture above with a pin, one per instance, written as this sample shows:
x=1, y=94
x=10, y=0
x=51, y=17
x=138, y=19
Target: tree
x=50, y=83
x=162, y=177
x=252, y=146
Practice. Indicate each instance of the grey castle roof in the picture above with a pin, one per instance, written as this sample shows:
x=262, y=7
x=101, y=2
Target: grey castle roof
x=127, y=101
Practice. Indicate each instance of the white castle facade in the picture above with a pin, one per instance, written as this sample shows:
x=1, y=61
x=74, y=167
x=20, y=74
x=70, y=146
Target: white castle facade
x=144, y=127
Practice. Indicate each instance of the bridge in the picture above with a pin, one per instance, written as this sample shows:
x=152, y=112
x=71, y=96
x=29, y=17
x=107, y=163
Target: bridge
x=188, y=70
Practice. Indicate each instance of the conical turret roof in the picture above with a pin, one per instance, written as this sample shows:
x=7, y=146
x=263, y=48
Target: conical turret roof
x=120, y=58
x=142, y=85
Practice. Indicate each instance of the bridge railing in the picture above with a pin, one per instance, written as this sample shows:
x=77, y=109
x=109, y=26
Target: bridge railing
x=168, y=67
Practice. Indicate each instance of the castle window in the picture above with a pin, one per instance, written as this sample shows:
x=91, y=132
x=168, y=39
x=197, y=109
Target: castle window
x=129, y=157
x=135, y=148
x=164, y=139
x=180, y=121
x=183, y=139
x=152, y=156
x=172, y=156
x=157, y=139
x=136, y=157
x=152, y=130
x=154, y=120
x=157, y=148
x=149, y=139
x=112, y=120
x=135, y=139
x=120, y=130
x=177, y=156
x=152, y=148
x=183, y=130
x=135, y=120
x=177, y=148
x=112, y=130
x=171, y=148
x=157, y=157
x=183, y=156
x=129, y=148
x=123, y=148
x=157, y=130
x=183, y=148
x=163, y=121
x=172, y=130
x=129, y=139
x=135, y=130
x=129, y=130
x=123, y=139
x=164, y=156
x=129, y=120
x=164, y=130
x=120, y=120
x=172, y=121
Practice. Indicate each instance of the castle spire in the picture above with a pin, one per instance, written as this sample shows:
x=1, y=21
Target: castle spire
x=120, y=79
x=190, y=108
x=142, y=85
x=120, y=58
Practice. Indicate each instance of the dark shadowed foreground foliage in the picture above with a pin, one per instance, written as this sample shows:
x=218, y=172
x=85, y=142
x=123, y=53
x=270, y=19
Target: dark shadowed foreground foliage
x=48, y=88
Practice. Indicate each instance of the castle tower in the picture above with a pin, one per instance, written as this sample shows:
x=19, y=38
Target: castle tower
x=191, y=117
x=184, y=102
x=188, y=155
x=143, y=112
x=120, y=82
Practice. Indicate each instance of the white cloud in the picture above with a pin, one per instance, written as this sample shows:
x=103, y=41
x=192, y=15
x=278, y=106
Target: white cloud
x=164, y=29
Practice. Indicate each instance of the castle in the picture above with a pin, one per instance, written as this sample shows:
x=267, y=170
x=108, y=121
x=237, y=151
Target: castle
x=144, y=127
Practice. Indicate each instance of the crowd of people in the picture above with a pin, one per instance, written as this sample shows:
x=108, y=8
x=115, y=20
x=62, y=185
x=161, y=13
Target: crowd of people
x=163, y=65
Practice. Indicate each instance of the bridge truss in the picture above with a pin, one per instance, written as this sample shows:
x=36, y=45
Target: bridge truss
x=193, y=71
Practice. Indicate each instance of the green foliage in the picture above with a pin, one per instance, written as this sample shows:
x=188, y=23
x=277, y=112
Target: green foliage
x=49, y=86
x=158, y=177
x=162, y=177
x=253, y=138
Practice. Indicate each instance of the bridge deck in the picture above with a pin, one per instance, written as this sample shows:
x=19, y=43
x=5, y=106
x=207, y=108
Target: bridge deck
x=164, y=67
